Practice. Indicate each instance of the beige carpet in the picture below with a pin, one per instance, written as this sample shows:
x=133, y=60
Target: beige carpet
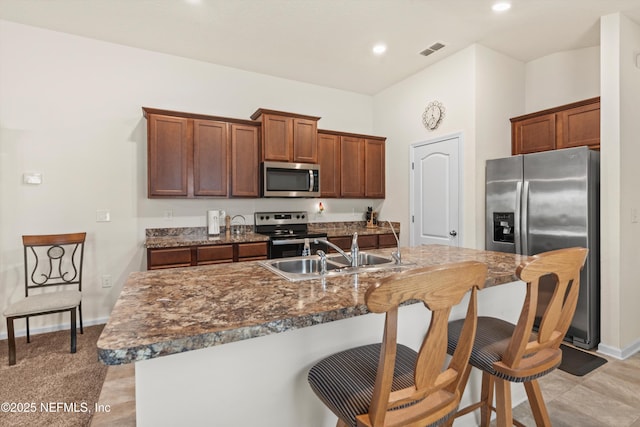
x=53, y=386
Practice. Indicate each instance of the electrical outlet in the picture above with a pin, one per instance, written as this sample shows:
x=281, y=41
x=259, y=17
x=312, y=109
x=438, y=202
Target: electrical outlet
x=106, y=281
x=168, y=215
x=635, y=217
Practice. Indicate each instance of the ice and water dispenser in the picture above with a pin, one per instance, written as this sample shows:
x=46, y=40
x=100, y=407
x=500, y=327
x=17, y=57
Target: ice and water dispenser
x=503, y=227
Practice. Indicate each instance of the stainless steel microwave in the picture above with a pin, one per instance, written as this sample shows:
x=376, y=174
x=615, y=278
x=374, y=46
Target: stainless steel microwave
x=281, y=179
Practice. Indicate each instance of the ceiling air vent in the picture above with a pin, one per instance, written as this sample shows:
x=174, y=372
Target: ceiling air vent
x=432, y=49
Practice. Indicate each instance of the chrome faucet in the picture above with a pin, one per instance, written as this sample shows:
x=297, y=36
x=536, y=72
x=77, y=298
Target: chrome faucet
x=352, y=260
x=397, y=256
x=355, y=250
x=323, y=261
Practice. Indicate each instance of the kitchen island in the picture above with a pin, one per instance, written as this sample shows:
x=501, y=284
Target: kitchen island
x=259, y=375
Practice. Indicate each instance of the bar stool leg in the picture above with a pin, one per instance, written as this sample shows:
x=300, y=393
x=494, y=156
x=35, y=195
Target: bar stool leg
x=538, y=408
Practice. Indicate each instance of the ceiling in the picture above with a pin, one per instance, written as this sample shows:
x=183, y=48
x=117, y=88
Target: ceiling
x=326, y=42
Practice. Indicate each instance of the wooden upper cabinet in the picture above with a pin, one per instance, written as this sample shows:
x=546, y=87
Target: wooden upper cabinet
x=329, y=160
x=374, y=168
x=580, y=126
x=352, y=170
x=288, y=137
x=534, y=134
x=570, y=125
x=211, y=158
x=245, y=161
x=277, y=137
x=193, y=155
x=305, y=144
x=170, y=159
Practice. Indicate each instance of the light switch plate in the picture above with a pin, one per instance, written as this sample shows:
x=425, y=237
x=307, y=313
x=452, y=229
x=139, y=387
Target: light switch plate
x=32, y=178
x=103, y=216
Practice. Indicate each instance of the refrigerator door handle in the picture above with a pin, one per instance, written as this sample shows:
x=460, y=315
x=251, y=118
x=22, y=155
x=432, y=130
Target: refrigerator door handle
x=516, y=219
x=525, y=219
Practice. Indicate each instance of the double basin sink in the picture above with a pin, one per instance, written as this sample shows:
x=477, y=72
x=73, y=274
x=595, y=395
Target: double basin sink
x=308, y=267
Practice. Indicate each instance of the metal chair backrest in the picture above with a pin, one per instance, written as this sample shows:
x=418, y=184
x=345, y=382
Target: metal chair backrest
x=436, y=390
x=53, y=260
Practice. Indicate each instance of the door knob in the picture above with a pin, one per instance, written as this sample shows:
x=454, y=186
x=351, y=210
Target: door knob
x=453, y=233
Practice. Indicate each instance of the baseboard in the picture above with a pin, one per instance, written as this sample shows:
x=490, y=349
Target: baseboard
x=620, y=353
x=54, y=328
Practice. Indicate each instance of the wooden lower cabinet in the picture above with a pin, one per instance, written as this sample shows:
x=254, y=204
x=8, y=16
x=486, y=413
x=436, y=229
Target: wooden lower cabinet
x=205, y=255
x=217, y=254
x=251, y=251
x=365, y=241
x=168, y=258
x=387, y=241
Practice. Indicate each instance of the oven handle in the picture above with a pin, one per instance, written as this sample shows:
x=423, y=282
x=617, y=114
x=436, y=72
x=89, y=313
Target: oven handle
x=293, y=241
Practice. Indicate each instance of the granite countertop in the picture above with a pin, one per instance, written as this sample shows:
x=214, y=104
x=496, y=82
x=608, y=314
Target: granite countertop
x=164, y=312
x=197, y=236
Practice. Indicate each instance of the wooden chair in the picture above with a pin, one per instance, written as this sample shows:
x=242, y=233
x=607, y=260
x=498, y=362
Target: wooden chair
x=515, y=353
x=361, y=385
x=49, y=261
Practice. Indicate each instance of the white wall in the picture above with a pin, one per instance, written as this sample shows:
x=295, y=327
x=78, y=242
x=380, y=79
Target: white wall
x=562, y=78
x=71, y=109
x=620, y=151
x=479, y=89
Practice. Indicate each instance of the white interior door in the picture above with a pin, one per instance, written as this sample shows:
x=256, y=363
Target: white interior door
x=435, y=192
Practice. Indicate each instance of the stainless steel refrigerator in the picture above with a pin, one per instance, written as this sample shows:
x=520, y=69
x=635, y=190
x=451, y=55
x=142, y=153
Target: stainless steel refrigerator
x=551, y=200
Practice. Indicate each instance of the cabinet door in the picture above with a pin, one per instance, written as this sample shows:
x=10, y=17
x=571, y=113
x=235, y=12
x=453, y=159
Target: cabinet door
x=387, y=241
x=278, y=137
x=211, y=158
x=369, y=241
x=169, y=156
x=374, y=166
x=329, y=160
x=245, y=164
x=579, y=126
x=351, y=167
x=534, y=134
x=305, y=142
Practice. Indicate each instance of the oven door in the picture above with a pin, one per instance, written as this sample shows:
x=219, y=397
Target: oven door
x=286, y=248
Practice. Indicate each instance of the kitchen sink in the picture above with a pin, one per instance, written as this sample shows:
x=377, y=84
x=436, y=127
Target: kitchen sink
x=307, y=268
x=364, y=259
x=307, y=265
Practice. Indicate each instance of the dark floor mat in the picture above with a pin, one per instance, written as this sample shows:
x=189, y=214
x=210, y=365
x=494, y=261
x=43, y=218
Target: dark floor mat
x=578, y=362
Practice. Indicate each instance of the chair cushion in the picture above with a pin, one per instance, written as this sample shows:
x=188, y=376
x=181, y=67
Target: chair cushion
x=43, y=303
x=492, y=338
x=344, y=381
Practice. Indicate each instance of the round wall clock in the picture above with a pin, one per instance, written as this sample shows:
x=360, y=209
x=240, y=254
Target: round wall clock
x=433, y=115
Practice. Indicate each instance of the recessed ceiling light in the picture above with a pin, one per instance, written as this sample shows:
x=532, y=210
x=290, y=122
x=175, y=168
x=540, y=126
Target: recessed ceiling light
x=501, y=7
x=379, y=49
x=193, y=1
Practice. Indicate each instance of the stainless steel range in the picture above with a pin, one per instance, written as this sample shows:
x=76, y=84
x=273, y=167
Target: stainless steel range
x=287, y=232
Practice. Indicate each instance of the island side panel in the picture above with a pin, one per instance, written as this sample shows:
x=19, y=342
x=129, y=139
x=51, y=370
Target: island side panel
x=263, y=381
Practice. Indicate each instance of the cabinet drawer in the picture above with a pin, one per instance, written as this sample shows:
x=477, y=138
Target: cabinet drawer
x=215, y=254
x=166, y=258
x=252, y=250
x=386, y=241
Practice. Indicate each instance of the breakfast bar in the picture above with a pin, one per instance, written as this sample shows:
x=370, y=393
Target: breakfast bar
x=231, y=344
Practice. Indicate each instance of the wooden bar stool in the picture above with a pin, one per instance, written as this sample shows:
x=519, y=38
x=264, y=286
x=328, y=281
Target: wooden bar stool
x=392, y=385
x=509, y=353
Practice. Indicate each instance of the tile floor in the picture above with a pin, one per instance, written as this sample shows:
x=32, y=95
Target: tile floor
x=606, y=397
